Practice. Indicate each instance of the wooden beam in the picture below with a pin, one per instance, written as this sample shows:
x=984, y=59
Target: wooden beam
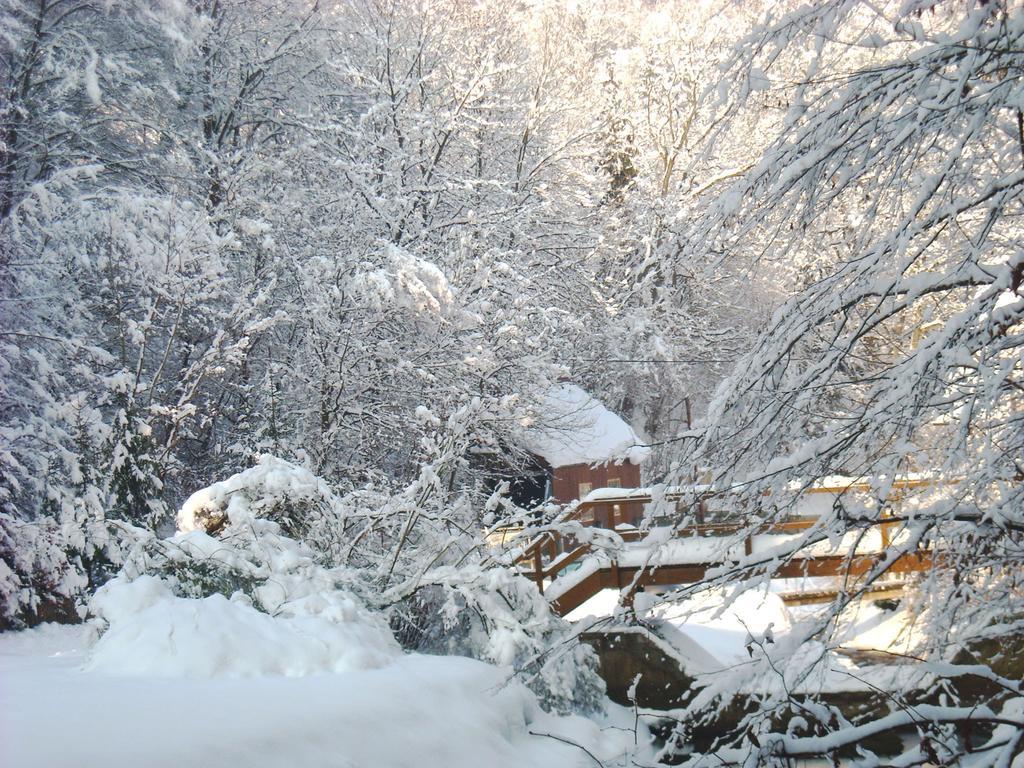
x=871, y=592
x=617, y=576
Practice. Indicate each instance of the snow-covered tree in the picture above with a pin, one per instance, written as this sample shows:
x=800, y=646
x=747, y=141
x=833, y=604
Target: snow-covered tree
x=894, y=182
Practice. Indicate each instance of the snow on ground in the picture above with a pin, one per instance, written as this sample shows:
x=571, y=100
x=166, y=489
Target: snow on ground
x=709, y=634
x=416, y=712
x=164, y=680
x=721, y=631
x=161, y=678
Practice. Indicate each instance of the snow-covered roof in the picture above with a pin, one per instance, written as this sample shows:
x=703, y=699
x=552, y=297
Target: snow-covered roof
x=573, y=428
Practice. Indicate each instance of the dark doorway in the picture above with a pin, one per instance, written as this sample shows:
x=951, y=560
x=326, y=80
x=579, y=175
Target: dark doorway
x=529, y=491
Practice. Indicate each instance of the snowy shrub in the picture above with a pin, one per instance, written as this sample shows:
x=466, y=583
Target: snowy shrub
x=49, y=569
x=500, y=617
x=200, y=577
x=252, y=558
x=250, y=601
x=38, y=581
x=276, y=539
x=301, y=503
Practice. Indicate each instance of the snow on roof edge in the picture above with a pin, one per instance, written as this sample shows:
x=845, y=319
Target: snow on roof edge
x=575, y=428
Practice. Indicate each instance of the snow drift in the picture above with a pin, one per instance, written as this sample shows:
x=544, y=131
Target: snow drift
x=153, y=632
x=418, y=711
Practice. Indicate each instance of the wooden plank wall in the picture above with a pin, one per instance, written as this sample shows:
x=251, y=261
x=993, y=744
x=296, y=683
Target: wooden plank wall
x=566, y=482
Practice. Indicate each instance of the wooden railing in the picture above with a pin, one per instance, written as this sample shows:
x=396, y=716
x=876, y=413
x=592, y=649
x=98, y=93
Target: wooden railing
x=544, y=558
x=552, y=544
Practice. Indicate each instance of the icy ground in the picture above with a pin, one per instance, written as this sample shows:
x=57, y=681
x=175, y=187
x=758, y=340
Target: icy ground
x=416, y=712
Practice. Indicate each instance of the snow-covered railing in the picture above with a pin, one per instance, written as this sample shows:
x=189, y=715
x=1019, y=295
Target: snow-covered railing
x=715, y=547
x=661, y=556
x=636, y=568
x=833, y=485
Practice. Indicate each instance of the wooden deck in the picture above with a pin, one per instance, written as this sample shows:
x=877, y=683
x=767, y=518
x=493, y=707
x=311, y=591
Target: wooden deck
x=546, y=559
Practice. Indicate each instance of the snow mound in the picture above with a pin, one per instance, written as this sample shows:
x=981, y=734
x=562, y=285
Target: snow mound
x=872, y=628
x=573, y=428
x=717, y=631
x=154, y=633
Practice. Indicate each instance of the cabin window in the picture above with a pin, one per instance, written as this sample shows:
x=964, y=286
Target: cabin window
x=584, y=489
x=614, y=483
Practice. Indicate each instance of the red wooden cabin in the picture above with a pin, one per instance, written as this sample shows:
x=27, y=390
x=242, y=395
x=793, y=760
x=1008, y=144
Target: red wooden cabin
x=587, y=447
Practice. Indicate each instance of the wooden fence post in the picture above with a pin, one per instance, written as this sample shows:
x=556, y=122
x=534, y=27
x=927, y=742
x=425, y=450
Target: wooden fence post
x=886, y=530
x=538, y=568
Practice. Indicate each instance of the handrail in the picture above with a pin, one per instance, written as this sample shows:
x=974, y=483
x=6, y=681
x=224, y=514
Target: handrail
x=706, y=529
x=539, y=572
x=678, y=493
x=551, y=542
